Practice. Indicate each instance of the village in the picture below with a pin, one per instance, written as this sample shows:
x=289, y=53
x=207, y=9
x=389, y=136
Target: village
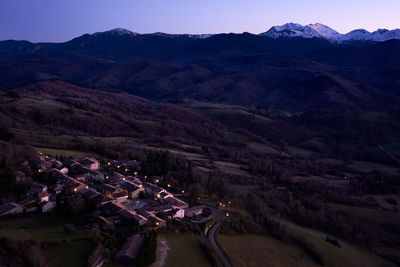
x=120, y=197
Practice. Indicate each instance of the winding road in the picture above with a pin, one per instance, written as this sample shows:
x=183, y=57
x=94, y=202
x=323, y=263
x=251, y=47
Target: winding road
x=220, y=216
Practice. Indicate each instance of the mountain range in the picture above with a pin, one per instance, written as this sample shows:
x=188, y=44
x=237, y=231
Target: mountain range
x=290, y=30
x=319, y=30
x=283, y=68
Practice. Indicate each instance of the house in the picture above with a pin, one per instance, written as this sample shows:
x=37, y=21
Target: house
x=56, y=164
x=163, y=196
x=153, y=220
x=47, y=206
x=120, y=196
x=90, y=163
x=37, y=188
x=53, y=175
x=40, y=163
x=88, y=193
x=64, y=171
x=173, y=213
x=152, y=189
x=194, y=211
x=104, y=223
x=130, y=250
x=177, y=212
x=43, y=196
x=134, y=217
x=107, y=189
x=176, y=202
x=111, y=208
x=93, y=196
x=98, y=199
x=11, y=208
x=115, y=178
x=75, y=185
x=76, y=169
x=94, y=176
x=132, y=189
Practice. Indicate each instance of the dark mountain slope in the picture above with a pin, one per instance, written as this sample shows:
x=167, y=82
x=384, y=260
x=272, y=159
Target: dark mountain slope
x=294, y=74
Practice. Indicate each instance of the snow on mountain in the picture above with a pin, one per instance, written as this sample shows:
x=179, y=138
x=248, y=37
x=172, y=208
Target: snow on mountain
x=117, y=31
x=324, y=31
x=122, y=31
x=319, y=30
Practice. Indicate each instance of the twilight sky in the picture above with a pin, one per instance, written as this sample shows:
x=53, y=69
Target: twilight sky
x=62, y=20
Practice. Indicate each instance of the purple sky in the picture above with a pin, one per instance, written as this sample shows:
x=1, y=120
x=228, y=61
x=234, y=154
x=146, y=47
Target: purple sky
x=62, y=20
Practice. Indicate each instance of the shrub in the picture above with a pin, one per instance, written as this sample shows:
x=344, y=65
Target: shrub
x=147, y=254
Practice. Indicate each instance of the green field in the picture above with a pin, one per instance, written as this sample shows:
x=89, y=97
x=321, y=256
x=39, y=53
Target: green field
x=50, y=227
x=184, y=250
x=372, y=215
x=253, y=250
x=347, y=255
x=38, y=226
x=75, y=253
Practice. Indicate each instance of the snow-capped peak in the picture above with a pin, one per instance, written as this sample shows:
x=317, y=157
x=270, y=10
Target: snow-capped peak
x=117, y=31
x=324, y=30
x=319, y=30
x=122, y=31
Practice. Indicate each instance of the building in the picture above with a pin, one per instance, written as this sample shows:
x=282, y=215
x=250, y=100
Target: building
x=194, y=211
x=56, y=164
x=176, y=202
x=173, y=213
x=94, y=176
x=132, y=189
x=153, y=220
x=40, y=163
x=120, y=196
x=75, y=185
x=104, y=223
x=47, y=206
x=111, y=208
x=43, y=196
x=11, y=208
x=107, y=189
x=163, y=196
x=130, y=250
x=90, y=163
x=153, y=190
x=131, y=216
x=53, y=175
x=38, y=188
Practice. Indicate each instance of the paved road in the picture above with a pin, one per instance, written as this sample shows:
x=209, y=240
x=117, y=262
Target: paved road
x=220, y=216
